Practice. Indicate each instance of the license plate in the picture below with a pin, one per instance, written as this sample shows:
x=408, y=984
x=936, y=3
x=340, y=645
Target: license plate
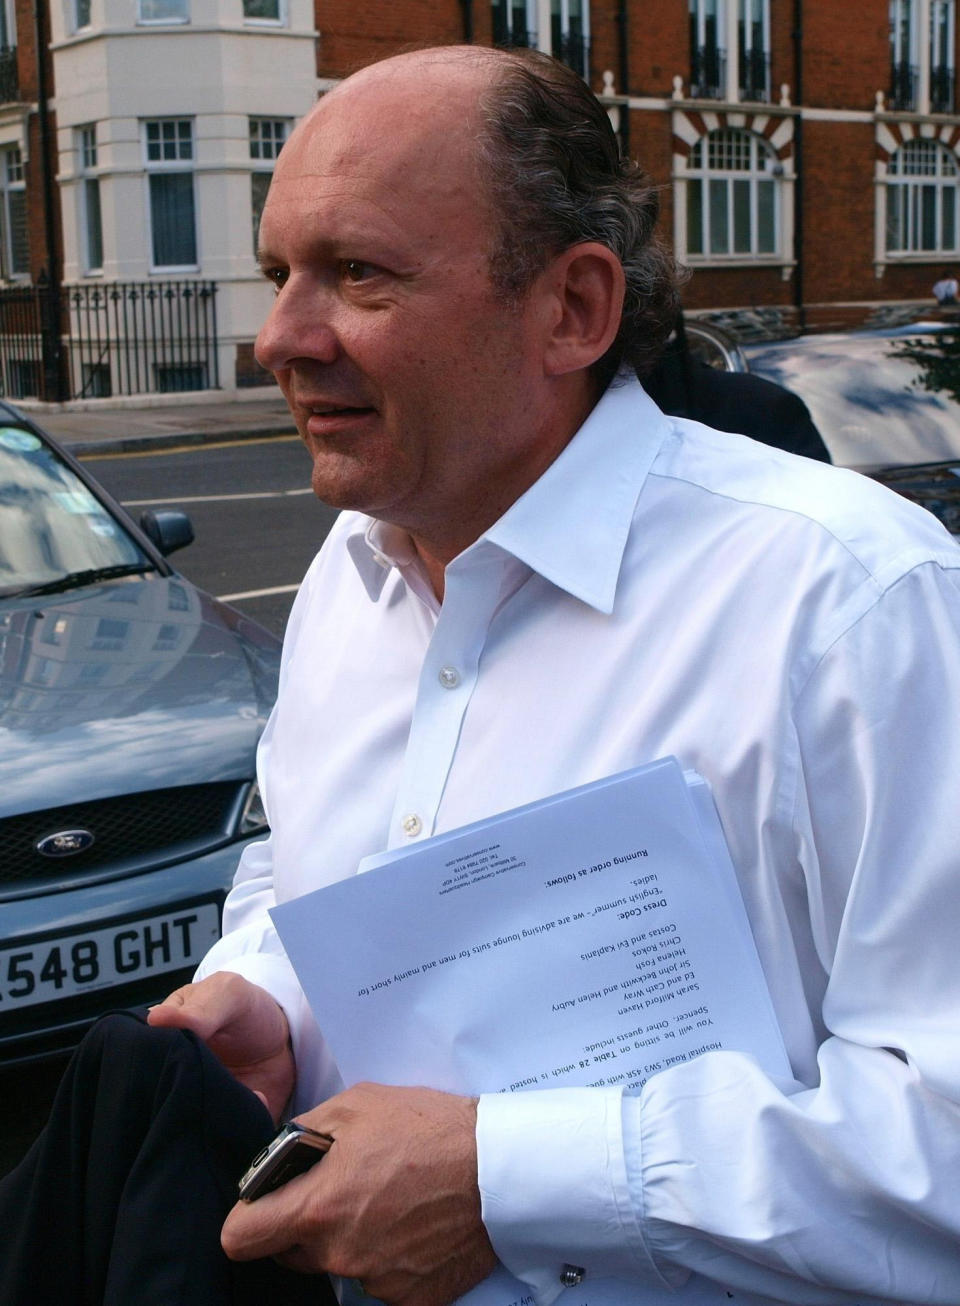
x=67, y=964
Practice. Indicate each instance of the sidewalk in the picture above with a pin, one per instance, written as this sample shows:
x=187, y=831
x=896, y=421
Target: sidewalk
x=157, y=423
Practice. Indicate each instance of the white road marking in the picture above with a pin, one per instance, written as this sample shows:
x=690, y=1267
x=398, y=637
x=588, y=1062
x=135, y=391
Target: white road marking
x=258, y=594
x=177, y=499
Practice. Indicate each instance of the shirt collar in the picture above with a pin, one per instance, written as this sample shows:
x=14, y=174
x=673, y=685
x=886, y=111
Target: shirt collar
x=571, y=526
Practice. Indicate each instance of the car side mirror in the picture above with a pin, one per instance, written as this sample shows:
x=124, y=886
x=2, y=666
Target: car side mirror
x=166, y=529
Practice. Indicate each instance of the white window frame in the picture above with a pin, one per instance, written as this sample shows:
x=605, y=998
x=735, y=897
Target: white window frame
x=267, y=138
x=8, y=18
x=762, y=169
x=922, y=167
x=745, y=22
x=943, y=41
x=166, y=20
x=171, y=165
x=89, y=174
x=700, y=13
x=12, y=181
x=253, y=21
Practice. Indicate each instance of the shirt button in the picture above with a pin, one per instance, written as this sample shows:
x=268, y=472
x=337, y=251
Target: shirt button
x=412, y=825
x=449, y=677
x=572, y=1275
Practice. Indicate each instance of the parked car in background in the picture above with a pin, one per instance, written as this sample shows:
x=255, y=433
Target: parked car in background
x=886, y=401
x=131, y=704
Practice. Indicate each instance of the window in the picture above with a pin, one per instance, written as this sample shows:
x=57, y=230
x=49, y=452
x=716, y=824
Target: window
x=169, y=145
x=904, y=73
x=941, y=56
x=570, y=32
x=922, y=181
x=753, y=49
x=92, y=239
x=81, y=14
x=732, y=196
x=163, y=11
x=14, y=242
x=262, y=11
x=707, y=55
x=515, y=23
x=266, y=141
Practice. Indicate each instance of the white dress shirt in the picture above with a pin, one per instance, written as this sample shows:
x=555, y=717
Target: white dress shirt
x=792, y=632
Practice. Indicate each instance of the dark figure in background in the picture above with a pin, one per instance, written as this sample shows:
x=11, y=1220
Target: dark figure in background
x=683, y=386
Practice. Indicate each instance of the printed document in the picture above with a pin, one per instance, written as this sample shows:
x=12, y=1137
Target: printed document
x=596, y=937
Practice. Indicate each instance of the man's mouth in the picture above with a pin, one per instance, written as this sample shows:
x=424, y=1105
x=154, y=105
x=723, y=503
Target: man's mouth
x=334, y=419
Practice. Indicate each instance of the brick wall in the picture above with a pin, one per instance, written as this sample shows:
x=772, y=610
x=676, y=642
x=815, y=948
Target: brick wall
x=353, y=34
x=838, y=197
x=846, y=53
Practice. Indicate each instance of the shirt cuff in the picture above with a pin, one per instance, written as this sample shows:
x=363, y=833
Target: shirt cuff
x=554, y=1190
x=317, y=1075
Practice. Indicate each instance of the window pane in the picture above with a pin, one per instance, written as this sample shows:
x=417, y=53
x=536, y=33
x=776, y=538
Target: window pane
x=741, y=217
x=172, y=219
x=264, y=9
x=82, y=13
x=766, y=218
x=259, y=185
x=894, y=217
x=948, y=234
x=695, y=217
x=929, y=218
x=164, y=11
x=719, y=226
x=19, y=243
x=94, y=228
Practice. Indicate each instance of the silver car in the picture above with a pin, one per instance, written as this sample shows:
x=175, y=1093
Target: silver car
x=130, y=708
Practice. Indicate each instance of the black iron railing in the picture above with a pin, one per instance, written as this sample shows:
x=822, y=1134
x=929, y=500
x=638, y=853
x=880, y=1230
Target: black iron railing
x=119, y=338
x=573, y=49
x=707, y=72
x=941, y=89
x=903, y=86
x=9, y=77
x=754, y=75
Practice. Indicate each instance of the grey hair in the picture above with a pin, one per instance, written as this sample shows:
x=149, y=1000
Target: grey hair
x=551, y=164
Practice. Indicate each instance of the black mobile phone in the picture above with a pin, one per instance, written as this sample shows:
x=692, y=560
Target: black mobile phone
x=291, y=1151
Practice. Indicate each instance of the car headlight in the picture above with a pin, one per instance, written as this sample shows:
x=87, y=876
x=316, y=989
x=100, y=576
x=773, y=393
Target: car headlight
x=253, y=817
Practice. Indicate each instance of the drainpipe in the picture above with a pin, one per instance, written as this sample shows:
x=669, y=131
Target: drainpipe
x=54, y=380
x=467, y=7
x=798, y=208
x=624, y=75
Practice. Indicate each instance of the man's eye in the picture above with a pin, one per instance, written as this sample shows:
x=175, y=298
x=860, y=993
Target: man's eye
x=276, y=276
x=355, y=269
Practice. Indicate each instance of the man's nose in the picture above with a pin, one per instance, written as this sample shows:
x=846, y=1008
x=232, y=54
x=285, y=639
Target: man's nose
x=298, y=327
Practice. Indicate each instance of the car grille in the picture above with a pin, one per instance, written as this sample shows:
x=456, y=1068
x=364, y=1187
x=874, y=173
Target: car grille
x=131, y=832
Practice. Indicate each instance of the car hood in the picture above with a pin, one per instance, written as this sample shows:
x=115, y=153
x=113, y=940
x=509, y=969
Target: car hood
x=127, y=686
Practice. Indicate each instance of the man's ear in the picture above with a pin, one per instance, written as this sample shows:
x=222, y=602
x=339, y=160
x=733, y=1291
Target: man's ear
x=584, y=287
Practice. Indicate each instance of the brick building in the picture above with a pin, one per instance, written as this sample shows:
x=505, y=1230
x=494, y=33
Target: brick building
x=808, y=150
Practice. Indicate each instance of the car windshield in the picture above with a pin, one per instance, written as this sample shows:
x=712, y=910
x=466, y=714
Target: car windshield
x=880, y=398
x=53, y=530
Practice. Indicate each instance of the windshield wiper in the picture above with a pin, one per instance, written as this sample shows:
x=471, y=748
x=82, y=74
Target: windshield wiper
x=76, y=579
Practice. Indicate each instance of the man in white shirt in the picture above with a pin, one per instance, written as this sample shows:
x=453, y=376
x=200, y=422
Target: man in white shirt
x=541, y=580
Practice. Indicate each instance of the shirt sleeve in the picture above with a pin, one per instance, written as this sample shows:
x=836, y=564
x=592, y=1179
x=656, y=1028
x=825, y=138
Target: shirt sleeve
x=842, y=1190
x=251, y=947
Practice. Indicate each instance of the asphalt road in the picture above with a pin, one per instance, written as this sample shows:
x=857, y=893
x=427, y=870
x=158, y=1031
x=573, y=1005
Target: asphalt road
x=257, y=526
x=257, y=522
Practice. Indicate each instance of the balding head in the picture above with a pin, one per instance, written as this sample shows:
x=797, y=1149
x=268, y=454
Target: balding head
x=548, y=169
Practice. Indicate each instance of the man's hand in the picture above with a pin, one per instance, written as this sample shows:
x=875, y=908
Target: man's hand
x=394, y=1203
x=243, y=1026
